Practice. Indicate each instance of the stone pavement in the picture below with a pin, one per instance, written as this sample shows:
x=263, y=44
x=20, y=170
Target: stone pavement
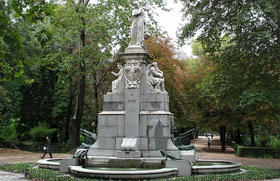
x=11, y=176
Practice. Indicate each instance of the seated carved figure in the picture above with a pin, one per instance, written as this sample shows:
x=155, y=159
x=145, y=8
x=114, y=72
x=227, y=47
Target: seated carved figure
x=116, y=83
x=155, y=78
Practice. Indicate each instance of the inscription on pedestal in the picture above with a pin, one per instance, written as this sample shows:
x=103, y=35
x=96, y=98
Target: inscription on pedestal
x=132, y=113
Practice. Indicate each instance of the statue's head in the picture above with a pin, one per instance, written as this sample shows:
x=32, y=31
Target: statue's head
x=136, y=4
x=119, y=66
x=154, y=64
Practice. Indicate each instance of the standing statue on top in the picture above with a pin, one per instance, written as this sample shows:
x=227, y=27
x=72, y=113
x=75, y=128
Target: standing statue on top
x=138, y=26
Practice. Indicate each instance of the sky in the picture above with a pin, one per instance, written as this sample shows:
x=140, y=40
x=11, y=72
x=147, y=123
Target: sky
x=171, y=21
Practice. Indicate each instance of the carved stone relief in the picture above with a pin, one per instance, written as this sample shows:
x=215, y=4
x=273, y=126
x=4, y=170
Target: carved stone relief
x=155, y=78
x=132, y=74
x=116, y=83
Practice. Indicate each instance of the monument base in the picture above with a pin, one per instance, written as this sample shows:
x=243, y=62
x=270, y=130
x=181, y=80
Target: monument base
x=117, y=162
x=129, y=154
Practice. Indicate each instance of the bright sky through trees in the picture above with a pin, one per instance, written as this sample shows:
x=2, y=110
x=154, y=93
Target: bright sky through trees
x=171, y=21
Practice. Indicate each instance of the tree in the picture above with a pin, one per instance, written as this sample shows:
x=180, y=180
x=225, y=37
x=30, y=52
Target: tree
x=175, y=73
x=242, y=38
x=60, y=60
x=92, y=30
x=11, y=52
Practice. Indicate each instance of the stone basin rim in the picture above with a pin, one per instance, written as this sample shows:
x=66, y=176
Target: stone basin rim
x=129, y=172
x=48, y=161
x=233, y=164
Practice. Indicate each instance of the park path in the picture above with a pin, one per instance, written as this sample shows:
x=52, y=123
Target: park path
x=215, y=153
x=18, y=156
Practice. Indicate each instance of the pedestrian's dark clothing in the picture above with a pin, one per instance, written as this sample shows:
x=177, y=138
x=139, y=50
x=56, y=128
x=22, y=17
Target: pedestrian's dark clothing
x=209, y=142
x=47, y=148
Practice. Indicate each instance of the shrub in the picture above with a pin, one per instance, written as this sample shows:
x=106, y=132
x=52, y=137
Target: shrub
x=8, y=131
x=234, y=145
x=273, y=142
x=40, y=132
x=19, y=167
x=261, y=152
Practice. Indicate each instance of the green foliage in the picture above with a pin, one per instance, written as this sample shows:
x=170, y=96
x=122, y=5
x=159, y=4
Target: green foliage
x=31, y=11
x=19, y=167
x=234, y=145
x=47, y=174
x=39, y=174
x=253, y=173
x=44, y=174
x=241, y=38
x=197, y=49
x=258, y=152
x=40, y=132
x=274, y=142
x=41, y=53
x=11, y=52
x=8, y=132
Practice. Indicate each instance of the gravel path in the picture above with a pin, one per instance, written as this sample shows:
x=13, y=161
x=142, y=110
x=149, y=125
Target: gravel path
x=18, y=156
x=216, y=153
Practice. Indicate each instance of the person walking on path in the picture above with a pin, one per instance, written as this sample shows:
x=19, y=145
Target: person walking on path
x=47, y=148
x=209, y=142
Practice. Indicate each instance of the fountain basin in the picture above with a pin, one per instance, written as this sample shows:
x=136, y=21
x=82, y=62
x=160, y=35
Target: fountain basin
x=52, y=163
x=215, y=167
x=123, y=173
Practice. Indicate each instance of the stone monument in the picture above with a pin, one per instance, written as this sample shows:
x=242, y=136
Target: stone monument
x=135, y=121
x=134, y=128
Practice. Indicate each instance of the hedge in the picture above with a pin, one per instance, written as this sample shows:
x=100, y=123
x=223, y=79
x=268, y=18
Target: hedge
x=258, y=152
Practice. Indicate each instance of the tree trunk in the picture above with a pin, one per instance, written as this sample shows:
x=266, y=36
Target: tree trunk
x=223, y=137
x=96, y=101
x=75, y=141
x=252, y=135
x=69, y=110
x=238, y=137
x=76, y=124
x=196, y=133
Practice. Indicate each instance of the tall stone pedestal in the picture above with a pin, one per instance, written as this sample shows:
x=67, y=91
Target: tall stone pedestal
x=137, y=109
